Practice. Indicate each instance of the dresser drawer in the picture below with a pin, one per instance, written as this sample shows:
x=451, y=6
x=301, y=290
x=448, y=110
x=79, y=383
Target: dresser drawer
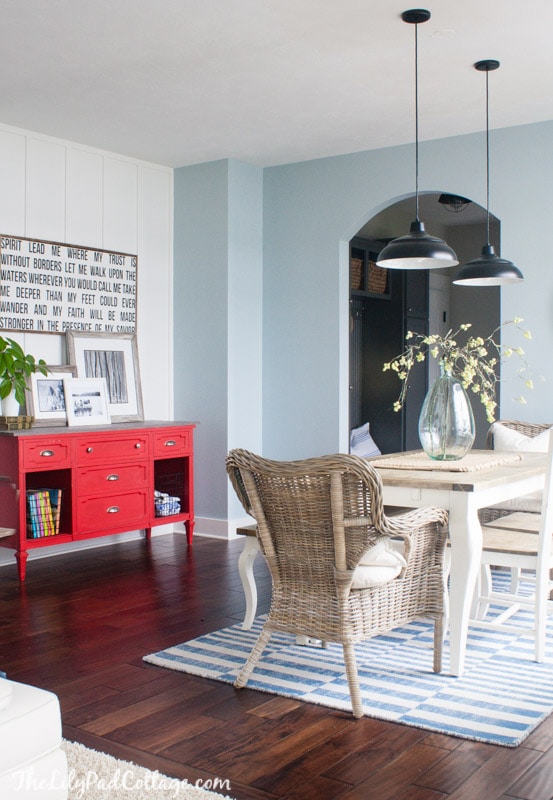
x=117, y=478
x=125, y=511
x=172, y=442
x=47, y=453
x=94, y=449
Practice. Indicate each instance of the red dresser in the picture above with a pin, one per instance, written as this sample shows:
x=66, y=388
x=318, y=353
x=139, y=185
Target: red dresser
x=100, y=481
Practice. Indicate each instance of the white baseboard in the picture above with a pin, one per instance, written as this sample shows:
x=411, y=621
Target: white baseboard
x=7, y=556
x=217, y=528
x=205, y=526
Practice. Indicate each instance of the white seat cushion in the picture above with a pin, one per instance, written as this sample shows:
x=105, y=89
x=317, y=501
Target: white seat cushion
x=381, y=563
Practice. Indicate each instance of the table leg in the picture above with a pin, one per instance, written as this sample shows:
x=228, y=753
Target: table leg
x=245, y=570
x=466, y=550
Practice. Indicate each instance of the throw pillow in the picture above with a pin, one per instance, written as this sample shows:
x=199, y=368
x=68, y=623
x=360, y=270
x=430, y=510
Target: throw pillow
x=379, y=564
x=361, y=442
x=508, y=439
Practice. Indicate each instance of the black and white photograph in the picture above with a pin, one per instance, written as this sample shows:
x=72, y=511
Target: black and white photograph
x=108, y=364
x=46, y=395
x=113, y=357
x=86, y=401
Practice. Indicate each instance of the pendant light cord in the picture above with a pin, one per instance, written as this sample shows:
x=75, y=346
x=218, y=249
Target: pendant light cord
x=417, y=249
x=487, y=161
x=416, y=124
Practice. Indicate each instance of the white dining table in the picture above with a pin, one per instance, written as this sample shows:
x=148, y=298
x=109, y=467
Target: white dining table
x=483, y=478
x=490, y=478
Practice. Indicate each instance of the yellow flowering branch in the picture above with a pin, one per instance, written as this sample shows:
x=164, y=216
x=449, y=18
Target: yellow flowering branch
x=474, y=362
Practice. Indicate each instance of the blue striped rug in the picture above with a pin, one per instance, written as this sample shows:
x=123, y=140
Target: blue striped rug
x=503, y=695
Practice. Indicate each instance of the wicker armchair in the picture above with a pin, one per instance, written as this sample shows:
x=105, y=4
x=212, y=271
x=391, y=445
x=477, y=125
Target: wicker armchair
x=316, y=519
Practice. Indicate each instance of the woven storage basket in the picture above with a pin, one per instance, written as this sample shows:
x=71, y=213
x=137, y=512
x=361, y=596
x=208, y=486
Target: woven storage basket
x=16, y=423
x=356, y=273
x=377, y=278
x=166, y=506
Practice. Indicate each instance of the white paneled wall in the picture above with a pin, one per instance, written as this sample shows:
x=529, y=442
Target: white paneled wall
x=85, y=188
x=66, y=192
x=155, y=291
x=45, y=189
x=120, y=205
x=62, y=191
x=12, y=181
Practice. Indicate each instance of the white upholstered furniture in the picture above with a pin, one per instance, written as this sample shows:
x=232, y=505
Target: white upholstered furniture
x=32, y=764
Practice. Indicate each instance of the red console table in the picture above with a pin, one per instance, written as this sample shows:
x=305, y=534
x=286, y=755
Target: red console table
x=108, y=476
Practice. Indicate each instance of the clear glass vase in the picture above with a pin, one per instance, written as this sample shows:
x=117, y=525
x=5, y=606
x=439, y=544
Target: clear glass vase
x=446, y=423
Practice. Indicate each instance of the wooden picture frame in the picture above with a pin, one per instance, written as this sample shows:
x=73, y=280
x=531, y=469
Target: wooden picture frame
x=86, y=401
x=45, y=397
x=113, y=356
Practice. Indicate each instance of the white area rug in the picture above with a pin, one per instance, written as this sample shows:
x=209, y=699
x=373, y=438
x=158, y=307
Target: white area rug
x=503, y=695
x=98, y=776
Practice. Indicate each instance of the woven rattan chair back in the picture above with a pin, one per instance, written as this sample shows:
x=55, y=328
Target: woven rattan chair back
x=315, y=520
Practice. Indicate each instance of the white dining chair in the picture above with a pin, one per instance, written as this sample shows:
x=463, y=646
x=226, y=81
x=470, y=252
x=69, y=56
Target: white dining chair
x=522, y=541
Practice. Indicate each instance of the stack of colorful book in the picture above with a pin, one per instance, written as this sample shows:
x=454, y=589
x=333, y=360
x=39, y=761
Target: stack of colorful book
x=43, y=512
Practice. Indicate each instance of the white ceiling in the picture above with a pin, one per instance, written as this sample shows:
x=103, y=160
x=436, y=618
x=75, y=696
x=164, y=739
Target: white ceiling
x=268, y=82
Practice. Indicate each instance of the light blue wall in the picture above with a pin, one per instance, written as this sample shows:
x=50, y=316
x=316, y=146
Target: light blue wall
x=310, y=211
x=311, y=208
x=522, y=165
x=217, y=313
x=245, y=294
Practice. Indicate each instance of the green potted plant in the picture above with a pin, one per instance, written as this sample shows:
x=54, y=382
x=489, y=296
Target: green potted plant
x=15, y=367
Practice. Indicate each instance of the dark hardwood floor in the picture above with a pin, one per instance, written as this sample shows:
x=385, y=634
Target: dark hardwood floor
x=82, y=622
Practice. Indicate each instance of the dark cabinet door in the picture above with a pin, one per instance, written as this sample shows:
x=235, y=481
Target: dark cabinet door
x=382, y=339
x=378, y=326
x=416, y=392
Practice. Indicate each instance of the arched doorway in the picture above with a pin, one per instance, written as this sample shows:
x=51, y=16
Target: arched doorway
x=422, y=300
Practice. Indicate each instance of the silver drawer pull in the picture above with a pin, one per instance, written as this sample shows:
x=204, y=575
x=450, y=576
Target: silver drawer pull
x=138, y=445
x=89, y=449
x=170, y=443
x=112, y=477
x=113, y=510
x=47, y=453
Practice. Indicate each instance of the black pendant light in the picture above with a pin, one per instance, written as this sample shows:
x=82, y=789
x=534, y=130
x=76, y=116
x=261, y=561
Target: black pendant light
x=488, y=269
x=453, y=203
x=417, y=249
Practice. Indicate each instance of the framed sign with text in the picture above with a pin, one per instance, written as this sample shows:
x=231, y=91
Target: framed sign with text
x=49, y=287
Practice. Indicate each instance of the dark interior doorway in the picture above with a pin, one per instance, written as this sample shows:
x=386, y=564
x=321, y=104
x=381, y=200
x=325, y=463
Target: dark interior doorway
x=384, y=308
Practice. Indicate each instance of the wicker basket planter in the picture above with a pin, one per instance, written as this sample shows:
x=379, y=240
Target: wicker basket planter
x=377, y=278
x=356, y=273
